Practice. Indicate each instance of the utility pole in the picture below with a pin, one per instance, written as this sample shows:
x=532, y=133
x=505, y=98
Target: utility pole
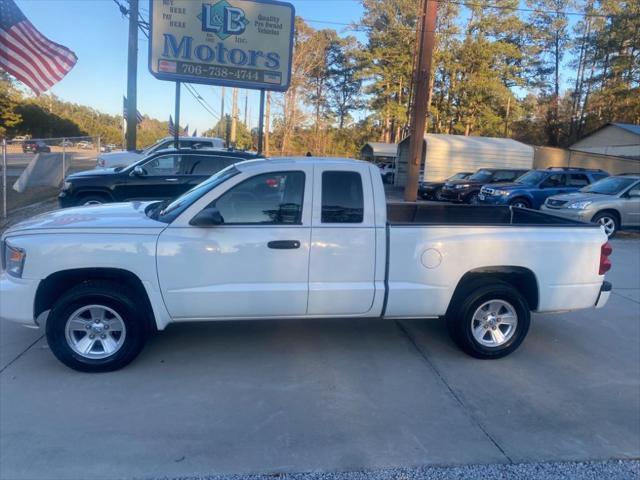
x=246, y=102
x=132, y=74
x=234, y=116
x=421, y=98
x=221, y=110
x=267, y=114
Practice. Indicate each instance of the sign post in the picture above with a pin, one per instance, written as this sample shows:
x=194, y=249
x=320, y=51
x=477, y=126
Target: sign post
x=235, y=43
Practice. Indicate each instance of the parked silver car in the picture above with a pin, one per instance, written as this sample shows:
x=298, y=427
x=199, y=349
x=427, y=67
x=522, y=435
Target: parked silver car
x=613, y=202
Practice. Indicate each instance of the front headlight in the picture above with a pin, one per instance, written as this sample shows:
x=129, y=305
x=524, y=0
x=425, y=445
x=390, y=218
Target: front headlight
x=580, y=205
x=463, y=185
x=13, y=260
x=502, y=193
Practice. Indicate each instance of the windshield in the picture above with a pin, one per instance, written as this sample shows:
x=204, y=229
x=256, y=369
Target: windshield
x=184, y=201
x=458, y=176
x=609, y=185
x=531, y=178
x=481, y=176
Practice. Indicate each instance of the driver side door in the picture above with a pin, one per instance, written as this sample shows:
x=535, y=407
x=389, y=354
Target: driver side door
x=255, y=264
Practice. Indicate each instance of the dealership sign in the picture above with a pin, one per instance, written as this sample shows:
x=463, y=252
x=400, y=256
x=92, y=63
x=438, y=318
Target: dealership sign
x=240, y=43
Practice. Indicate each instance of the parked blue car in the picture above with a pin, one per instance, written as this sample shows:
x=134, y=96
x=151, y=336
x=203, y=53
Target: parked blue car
x=532, y=189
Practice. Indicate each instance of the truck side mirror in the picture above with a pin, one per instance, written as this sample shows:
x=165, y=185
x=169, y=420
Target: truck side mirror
x=208, y=217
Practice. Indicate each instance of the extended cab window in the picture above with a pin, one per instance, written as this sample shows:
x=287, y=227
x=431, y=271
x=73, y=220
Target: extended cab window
x=342, y=198
x=270, y=198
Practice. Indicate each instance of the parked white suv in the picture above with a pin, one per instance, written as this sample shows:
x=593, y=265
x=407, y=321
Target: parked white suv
x=124, y=158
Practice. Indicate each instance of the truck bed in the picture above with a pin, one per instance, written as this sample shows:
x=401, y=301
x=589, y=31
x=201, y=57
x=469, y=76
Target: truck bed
x=483, y=215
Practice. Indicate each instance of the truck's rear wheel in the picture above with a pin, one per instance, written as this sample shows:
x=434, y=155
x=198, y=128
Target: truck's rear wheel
x=96, y=327
x=492, y=320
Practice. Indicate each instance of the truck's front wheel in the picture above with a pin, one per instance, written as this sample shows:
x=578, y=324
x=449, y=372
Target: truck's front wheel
x=491, y=322
x=96, y=327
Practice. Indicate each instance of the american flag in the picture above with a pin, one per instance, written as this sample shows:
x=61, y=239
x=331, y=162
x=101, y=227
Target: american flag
x=185, y=131
x=28, y=55
x=124, y=111
x=172, y=127
x=195, y=133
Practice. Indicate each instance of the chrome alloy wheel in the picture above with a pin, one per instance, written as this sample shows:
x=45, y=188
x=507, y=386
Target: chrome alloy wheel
x=608, y=223
x=519, y=204
x=494, y=323
x=95, y=331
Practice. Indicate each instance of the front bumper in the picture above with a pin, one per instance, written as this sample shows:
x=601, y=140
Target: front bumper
x=17, y=297
x=603, y=296
x=65, y=199
x=453, y=195
x=570, y=213
x=485, y=199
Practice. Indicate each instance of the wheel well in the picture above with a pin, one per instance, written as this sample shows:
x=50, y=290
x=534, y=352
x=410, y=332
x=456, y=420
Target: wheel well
x=611, y=211
x=52, y=287
x=97, y=193
x=522, y=279
x=521, y=197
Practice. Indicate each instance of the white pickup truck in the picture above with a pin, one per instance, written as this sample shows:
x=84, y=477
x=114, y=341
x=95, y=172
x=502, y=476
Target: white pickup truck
x=292, y=238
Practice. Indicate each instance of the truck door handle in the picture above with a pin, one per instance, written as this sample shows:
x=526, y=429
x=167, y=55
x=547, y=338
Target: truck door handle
x=170, y=179
x=283, y=244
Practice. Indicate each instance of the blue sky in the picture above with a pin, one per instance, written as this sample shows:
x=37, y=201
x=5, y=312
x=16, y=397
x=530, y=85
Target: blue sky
x=96, y=31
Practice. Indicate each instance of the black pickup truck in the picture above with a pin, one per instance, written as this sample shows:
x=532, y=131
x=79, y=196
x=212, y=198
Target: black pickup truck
x=163, y=175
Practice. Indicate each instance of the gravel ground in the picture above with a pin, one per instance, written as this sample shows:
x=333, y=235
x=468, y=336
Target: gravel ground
x=610, y=470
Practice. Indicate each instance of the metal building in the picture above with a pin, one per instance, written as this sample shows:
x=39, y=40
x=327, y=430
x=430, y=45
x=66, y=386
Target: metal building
x=619, y=139
x=379, y=152
x=444, y=155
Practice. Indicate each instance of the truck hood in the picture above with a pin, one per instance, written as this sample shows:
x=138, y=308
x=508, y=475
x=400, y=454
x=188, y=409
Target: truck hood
x=112, y=216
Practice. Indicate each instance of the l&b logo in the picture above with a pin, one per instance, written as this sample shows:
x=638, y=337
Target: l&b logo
x=223, y=19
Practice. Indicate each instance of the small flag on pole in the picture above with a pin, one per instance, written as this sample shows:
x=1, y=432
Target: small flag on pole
x=195, y=133
x=172, y=127
x=28, y=55
x=139, y=117
x=185, y=132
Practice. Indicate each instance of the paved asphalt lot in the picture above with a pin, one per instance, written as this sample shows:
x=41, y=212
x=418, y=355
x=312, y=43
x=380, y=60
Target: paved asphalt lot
x=336, y=396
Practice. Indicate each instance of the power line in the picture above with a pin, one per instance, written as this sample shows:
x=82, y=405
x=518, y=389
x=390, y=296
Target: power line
x=203, y=103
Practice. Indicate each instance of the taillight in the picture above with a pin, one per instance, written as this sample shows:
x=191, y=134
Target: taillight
x=605, y=263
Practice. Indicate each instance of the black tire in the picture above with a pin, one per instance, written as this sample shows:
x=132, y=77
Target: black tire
x=438, y=195
x=98, y=292
x=520, y=201
x=611, y=219
x=472, y=198
x=93, y=199
x=460, y=318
